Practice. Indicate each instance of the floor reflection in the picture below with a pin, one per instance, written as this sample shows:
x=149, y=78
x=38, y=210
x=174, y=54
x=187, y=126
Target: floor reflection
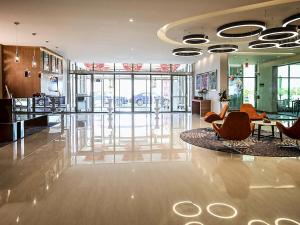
x=134, y=169
x=123, y=138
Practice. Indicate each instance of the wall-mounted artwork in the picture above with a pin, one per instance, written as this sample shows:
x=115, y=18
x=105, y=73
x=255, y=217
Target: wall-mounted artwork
x=207, y=80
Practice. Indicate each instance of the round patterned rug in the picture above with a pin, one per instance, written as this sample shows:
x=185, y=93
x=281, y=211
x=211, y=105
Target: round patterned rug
x=272, y=147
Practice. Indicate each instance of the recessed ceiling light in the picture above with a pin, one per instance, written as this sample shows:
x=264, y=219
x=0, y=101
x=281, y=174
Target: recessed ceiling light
x=131, y=20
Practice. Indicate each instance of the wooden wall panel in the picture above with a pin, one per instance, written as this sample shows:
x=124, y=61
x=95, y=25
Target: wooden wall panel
x=13, y=73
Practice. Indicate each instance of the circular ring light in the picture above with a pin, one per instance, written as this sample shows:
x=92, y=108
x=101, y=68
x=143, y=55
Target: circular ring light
x=277, y=221
x=252, y=222
x=199, y=210
x=225, y=48
x=288, y=21
x=193, y=222
x=290, y=43
x=278, y=34
x=258, y=25
x=187, y=52
x=208, y=208
x=262, y=44
x=195, y=39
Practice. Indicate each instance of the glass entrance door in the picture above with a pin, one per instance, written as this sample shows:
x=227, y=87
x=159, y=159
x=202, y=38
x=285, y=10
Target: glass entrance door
x=142, y=99
x=84, y=93
x=179, y=93
x=161, y=92
x=123, y=93
x=103, y=92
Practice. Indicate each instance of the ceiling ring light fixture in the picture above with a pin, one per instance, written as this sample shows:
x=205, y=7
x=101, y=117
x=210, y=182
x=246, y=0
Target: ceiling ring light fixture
x=262, y=44
x=288, y=21
x=195, y=39
x=289, y=43
x=258, y=25
x=224, y=48
x=234, y=211
x=187, y=52
x=278, y=34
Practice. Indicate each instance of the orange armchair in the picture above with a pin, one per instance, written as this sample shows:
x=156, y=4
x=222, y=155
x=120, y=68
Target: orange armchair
x=292, y=132
x=212, y=116
x=236, y=127
x=251, y=111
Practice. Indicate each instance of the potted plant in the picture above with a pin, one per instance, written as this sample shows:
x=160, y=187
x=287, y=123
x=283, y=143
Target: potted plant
x=224, y=98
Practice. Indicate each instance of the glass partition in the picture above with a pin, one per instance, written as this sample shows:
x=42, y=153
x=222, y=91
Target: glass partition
x=123, y=93
x=179, y=93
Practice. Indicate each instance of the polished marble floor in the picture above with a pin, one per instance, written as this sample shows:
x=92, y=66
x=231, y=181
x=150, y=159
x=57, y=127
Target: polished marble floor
x=133, y=169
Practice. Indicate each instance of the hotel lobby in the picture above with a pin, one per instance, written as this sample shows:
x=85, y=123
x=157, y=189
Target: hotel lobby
x=150, y=112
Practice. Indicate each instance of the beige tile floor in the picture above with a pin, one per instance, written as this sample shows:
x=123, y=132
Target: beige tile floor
x=134, y=169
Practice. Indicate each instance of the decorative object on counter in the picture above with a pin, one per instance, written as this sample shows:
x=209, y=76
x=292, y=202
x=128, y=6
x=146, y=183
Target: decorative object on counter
x=266, y=120
x=202, y=93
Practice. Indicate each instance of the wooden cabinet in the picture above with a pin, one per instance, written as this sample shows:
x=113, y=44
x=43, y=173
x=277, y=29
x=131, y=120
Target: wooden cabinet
x=201, y=106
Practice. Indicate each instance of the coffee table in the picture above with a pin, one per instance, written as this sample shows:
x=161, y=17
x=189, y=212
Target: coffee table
x=260, y=124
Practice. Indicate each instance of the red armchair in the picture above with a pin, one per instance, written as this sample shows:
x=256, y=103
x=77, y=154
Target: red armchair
x=212, y=116
x=292, y=132
x=251, y=111
x=236, y=127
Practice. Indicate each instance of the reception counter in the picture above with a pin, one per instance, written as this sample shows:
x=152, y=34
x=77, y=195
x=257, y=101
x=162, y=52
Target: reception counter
x=201, y=106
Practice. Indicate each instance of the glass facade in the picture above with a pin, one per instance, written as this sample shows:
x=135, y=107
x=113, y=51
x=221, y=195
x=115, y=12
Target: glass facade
x=288, y=88
x=129, y=87
x=242, y=85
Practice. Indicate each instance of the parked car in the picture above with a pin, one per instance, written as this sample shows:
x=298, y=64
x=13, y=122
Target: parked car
x=143, y=99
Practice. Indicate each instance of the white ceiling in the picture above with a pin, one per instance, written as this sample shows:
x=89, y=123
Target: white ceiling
x=100, y=31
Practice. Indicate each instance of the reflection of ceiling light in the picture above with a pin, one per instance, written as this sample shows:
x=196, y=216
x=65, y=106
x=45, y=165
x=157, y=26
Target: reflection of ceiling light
x=199, y=210
x=289, y=43
x=290, y=20
x=278, y=34
x=208, y=208
x=195, y=39
x=194, y=222
x=257, y=221
x=131, y=20
x=224, y=48
x=262, y=44
x=258, y=25
x=277, y=221
x=187, y=52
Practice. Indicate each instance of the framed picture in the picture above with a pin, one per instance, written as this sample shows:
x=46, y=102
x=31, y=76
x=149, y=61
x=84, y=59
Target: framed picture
x=207, y=80
x=213, y=80
x=46, y=61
